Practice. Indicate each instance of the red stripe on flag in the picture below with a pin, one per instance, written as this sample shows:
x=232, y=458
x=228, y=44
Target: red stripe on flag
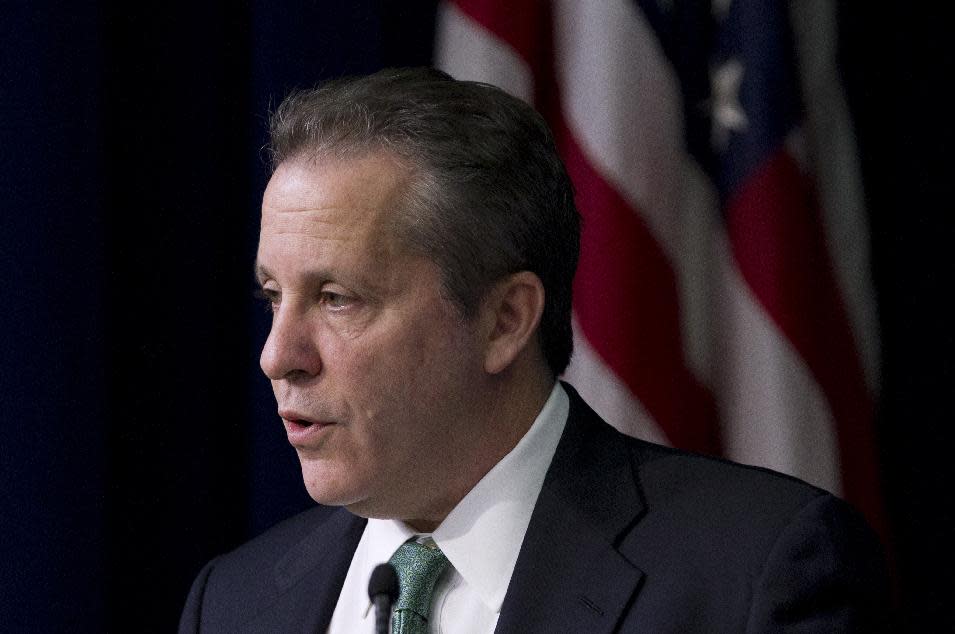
x=625, y=293
x=524, y=25
x=625, y=298
x=777, y=238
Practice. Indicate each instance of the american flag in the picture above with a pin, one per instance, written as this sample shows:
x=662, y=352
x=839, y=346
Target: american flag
x=723, y=302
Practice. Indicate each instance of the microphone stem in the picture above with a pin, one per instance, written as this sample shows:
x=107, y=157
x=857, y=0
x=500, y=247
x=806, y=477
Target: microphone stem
x=382, y=614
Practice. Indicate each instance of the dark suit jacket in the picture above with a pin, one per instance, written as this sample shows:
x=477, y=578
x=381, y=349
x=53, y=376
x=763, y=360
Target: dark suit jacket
x=626, y=536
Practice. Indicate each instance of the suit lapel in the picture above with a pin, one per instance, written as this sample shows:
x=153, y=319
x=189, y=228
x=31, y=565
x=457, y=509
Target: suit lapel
x=309, y=578
x=569, y=575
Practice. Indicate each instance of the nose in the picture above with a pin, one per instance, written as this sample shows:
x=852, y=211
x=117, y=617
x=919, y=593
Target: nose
x=291, y=350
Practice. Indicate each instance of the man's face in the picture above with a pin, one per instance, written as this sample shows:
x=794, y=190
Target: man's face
x=371, y=366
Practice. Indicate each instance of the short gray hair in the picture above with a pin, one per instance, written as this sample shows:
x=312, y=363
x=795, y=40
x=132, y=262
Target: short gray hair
x=489, y=194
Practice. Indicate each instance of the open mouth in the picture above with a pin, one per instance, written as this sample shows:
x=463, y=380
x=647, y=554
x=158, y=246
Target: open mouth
x=300, y=428
x=303, y=427
x=300, y=424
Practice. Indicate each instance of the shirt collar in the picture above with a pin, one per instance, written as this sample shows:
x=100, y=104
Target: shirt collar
x=482, y=535
x=381, y=539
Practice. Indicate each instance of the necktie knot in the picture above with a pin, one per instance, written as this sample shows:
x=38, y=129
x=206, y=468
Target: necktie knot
x=418, y=567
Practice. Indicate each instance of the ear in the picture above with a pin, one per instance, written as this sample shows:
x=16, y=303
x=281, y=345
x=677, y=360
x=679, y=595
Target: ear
x=513, y=309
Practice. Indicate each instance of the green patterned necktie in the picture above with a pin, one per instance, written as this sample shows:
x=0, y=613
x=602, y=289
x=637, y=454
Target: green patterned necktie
x=418, y=567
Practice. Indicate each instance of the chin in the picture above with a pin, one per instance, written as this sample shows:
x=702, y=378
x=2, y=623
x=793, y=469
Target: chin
x=330, y=496
x=334, y=484
x=328, y=485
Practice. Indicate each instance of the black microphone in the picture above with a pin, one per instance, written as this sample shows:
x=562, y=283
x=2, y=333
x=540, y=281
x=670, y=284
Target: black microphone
x=383, y=590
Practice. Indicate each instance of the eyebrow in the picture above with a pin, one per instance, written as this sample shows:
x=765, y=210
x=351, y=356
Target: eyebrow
x=262, y=272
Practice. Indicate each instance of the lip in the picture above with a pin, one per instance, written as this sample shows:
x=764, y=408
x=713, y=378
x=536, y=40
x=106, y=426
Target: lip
x=299, y=434
x=302, y=430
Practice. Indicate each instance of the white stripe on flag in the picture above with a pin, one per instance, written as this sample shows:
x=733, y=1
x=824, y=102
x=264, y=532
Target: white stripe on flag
x=772, y=410
x=607, y=395
x=466, y=50
x=623, y=104
x=624, y=107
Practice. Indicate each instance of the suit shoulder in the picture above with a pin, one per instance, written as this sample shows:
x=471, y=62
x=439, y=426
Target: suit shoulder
x=676, y=470
x=247, y=584
x=263, y=549
x=683, y=482
x=676, y=473
x=730, y=507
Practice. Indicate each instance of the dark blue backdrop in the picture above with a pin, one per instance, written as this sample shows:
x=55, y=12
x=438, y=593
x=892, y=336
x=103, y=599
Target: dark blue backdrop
x=138, y=436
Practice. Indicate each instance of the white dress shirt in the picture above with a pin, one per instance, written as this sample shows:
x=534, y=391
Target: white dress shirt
x=481, y=537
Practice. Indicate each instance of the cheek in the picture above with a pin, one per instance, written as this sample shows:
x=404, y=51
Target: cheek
x=368, y=377
x=400, y=351
x=403, y=373
x=396, y=378
x=437, y=366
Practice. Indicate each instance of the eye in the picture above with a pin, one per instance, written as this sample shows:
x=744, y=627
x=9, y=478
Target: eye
x=271, y=297
x=335, y=301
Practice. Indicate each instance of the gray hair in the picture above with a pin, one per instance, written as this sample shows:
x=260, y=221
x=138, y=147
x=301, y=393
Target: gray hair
x=489, y=194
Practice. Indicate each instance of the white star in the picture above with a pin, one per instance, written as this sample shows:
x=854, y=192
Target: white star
x=728, y=115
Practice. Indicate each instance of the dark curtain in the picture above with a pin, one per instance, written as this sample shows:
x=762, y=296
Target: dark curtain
x=897, y=63
x=139, y=438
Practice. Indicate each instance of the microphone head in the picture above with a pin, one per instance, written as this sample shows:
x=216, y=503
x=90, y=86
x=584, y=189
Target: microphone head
x=384, y=581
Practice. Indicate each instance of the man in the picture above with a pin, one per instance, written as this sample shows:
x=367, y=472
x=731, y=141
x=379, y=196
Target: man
x=418, y=243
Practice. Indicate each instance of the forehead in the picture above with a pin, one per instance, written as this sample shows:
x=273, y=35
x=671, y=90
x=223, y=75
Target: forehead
x=334, y=219
x=351, y=190
x=314, y=207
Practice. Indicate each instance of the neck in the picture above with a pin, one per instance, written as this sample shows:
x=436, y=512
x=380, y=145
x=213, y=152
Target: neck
x=509, y=410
